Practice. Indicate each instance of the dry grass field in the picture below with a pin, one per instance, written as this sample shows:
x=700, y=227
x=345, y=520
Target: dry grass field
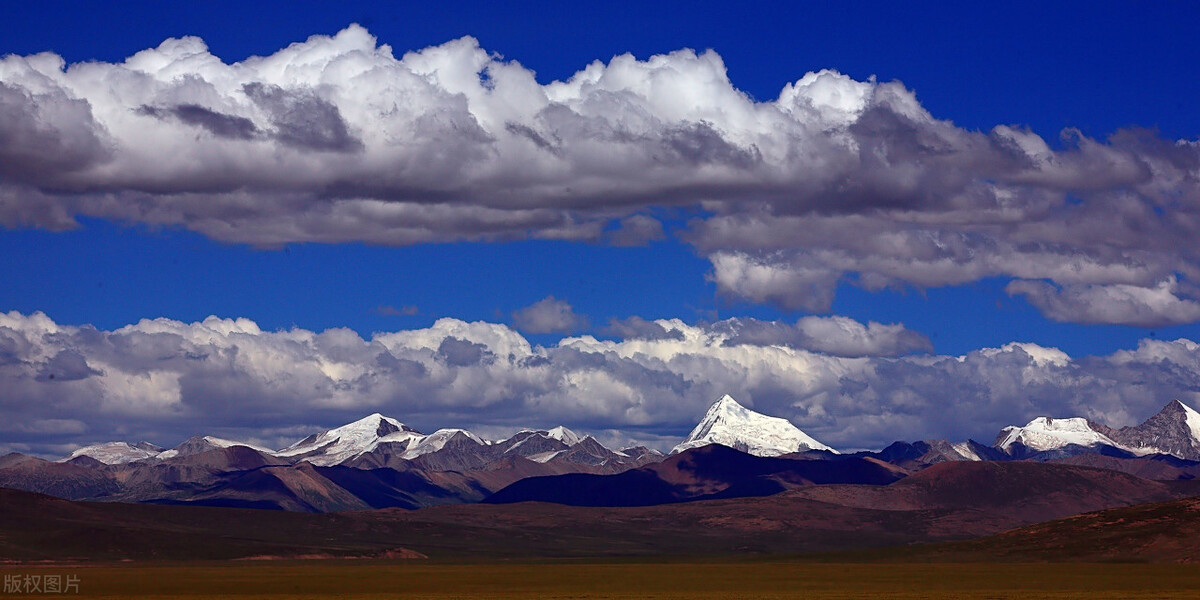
x=648, y=580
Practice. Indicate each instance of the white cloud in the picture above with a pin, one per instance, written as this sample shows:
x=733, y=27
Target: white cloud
x=838, y=336
x=162, y=380
x=768, y=279
x=337, y=139
x=1153, y=306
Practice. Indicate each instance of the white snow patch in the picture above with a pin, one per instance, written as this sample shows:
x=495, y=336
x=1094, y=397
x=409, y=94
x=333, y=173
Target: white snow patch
x=964, y=450
x=1193, y=421
x=543, y=457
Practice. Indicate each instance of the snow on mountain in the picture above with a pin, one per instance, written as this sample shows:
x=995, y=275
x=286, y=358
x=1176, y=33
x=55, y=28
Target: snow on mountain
x=1174, y=430
x=438, y=440
x=458, y=448
x=638, y=452
x=540, y=442
x=340, y=444
x=117, y=453
x=731, y=424
x=1045, y=433
x=965, y=450
x=204, y=443
x=544, y=457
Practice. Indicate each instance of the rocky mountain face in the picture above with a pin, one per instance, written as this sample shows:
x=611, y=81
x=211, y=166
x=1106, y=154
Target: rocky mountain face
x=1175, y=430
x=915, y=456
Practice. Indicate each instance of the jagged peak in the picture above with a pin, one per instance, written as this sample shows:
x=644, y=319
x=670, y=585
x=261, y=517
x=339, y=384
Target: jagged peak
x=1177, y=406
x=378, y=421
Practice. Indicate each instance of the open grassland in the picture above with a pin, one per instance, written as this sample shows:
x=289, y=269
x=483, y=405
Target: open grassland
x=649, y=580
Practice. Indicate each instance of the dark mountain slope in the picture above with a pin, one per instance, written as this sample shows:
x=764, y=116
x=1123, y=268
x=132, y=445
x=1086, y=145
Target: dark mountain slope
x=707, y=472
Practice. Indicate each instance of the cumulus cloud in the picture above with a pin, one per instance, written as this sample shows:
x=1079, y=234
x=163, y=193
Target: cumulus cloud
x=163, y=381
x=1156, y=306
x=548, y=315
x=338, y=139
x=839, y=336
x=636, y=327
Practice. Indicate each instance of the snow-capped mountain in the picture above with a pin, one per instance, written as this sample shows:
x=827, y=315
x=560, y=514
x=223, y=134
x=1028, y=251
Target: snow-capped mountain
x=121, y=453
x=340, y=444
x=117, y=453
x=377, y=440
x=1045, y=434
x=204, y=443
x=438, y=441
x=1174, y=430
x=731, y=424
x=540, y=445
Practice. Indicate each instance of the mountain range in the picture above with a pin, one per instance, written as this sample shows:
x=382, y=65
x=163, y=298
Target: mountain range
x=379, y=462
x=1174, y=431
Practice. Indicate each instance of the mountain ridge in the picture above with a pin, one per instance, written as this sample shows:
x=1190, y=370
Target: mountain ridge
x=1174, y=431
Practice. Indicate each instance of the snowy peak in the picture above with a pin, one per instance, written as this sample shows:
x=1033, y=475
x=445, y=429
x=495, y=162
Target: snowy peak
x=564, y=435
x=730, y=424
x=371, y=426
x=117, y=453
x=560, y=433
x=340, y=444
x=1045, y=433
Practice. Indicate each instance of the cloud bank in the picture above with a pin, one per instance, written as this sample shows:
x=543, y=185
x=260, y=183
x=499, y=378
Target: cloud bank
x=162, y=380
x=338, y=139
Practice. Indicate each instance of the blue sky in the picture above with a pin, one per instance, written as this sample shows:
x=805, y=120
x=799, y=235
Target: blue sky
x=1032, y=186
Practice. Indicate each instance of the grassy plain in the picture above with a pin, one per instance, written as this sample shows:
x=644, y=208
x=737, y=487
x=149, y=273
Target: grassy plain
x=247, y=580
